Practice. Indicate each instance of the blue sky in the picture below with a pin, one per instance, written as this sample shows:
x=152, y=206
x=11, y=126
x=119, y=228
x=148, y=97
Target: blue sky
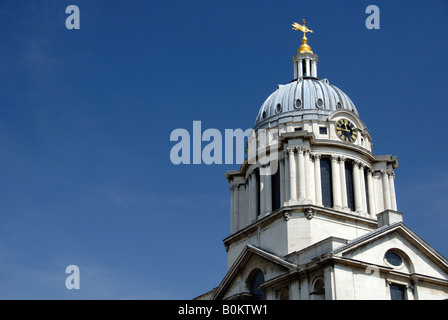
x=86, y=117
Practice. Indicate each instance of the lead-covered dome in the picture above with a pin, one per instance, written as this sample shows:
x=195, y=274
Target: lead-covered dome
x=301, y=99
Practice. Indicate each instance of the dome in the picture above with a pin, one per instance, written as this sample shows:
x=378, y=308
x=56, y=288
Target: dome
x=302, y=99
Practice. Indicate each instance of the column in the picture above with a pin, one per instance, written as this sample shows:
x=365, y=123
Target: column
x=343, y=183
x=386, y=190
x=371, y=194
x=309, y=175
x=292, y=175
x=308, y=69
x=253, y=197
x=357, y=186
x=235, y=208
x=363, y=188
x=262, y=191
x=247, y=212
x=336, y=183
x=311, y=189
x=300, y=70
x=242, y=206
x=314, y=68
x=393, y=199
x=268, y=190
x=282, y=181
x=317, y=180
x=301, y=162
x=232, y=208
x=287, y=192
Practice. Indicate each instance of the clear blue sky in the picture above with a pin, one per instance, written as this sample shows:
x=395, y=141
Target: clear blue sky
x=86, y=116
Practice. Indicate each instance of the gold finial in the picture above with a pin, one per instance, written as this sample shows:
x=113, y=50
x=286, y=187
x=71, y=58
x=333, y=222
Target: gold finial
x=304, y=47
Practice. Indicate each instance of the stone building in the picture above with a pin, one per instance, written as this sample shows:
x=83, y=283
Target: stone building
x=319, y=220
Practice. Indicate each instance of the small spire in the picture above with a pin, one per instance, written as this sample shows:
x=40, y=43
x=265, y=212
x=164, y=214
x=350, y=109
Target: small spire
x=304, y=47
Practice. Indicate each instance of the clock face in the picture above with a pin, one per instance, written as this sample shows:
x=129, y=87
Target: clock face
x=346, y=130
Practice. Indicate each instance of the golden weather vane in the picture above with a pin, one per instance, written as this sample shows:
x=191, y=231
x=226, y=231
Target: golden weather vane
x=299, y=27
x=304, y=47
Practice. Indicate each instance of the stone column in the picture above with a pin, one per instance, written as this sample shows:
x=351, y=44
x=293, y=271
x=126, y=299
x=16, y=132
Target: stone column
x=242, y=206
x=236, y=204
x=317, y=180
x=393, y=199
x=343, y=183
x=301, y=162
x=292, y=175
x=314, y=68
x=254, y=196
x=363, y=188
x=300, y=69
x=386, y=190
x=248, y=200
x=309, y=168
x=268, y=190
x=336, y=183
x=262, y=191
x=308, y=69
x=287, y=192
x=371, y=194
x=232, y=207
x=282, y=181
x=357, y=186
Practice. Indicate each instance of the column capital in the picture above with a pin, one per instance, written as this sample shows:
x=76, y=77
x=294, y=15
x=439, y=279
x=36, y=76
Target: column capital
x=342, y=158
x=290, y=150
x=334, y=158
x=316, y=156
x=300, y=149
x=358, y=163
x=391, y=173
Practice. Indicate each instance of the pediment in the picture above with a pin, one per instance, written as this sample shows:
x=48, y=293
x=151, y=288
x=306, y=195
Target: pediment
x=251, y=258
x=418, y=257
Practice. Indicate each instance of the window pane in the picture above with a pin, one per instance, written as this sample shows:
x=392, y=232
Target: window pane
x=256, y=280
x=325, y=176
x=349, y=184
x=397, y=292
x=275, y=182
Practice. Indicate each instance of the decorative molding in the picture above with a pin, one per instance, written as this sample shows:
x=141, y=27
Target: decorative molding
x=286, y=215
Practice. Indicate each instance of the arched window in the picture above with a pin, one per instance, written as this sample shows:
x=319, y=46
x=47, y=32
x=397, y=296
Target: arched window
x=283, y=294
x=254, y=280
x=318, y=289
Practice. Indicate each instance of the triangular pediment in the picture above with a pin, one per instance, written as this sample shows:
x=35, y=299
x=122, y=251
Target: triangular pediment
x=418, y=257
x=251, y=258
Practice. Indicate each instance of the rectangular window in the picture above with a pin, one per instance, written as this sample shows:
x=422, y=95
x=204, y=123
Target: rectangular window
x=297, y=129
x=275, y=183
x=349, y=185
x=325, y=177
x=322, y=130
x=397, y=292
